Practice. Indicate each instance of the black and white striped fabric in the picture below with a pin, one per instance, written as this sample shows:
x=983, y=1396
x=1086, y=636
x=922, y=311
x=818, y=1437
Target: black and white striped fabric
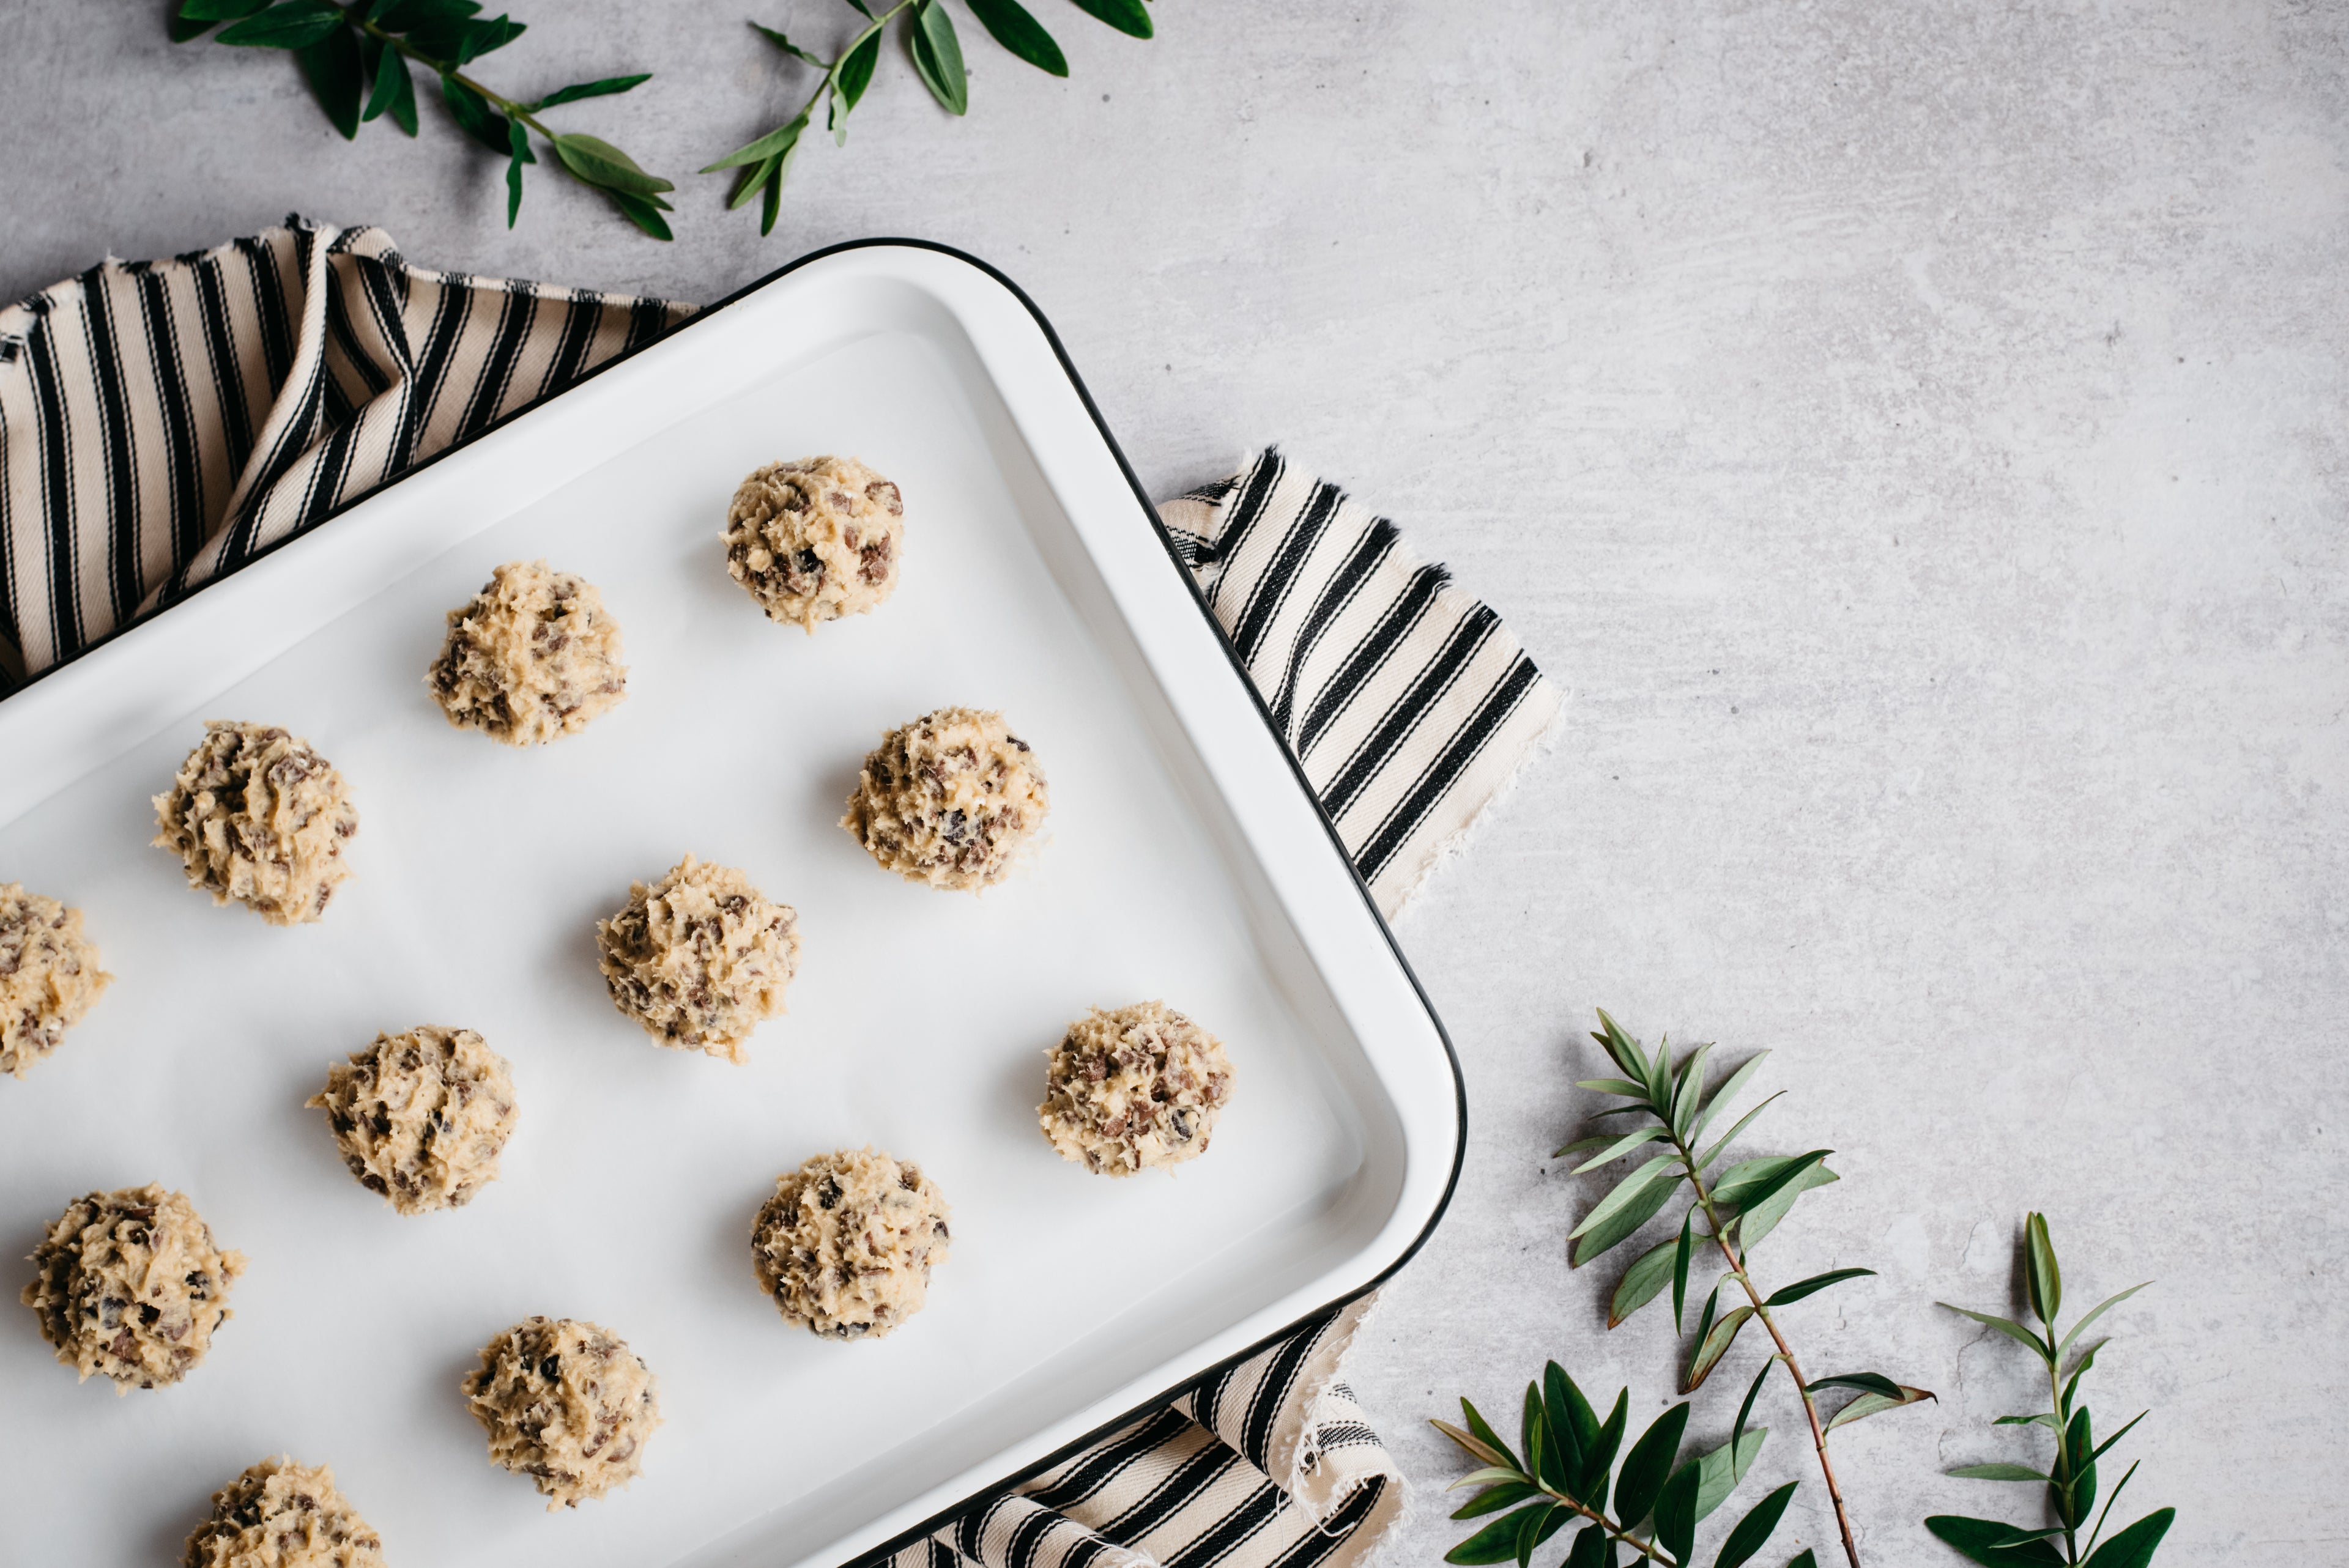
x=162, y=423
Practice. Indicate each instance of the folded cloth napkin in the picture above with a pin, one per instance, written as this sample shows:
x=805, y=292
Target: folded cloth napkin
x=162, y=423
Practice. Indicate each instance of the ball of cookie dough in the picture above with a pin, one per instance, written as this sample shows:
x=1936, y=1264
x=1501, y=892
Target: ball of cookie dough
x=815, y=540
x=49, y=977
x=846, y=1245
x=699, y=958
x=949, y=799
x=1133, y=1089
x=260, y=818
x=566, y=1403
x=422, y=1117
x=279, y=1514
x=532, y=657
x=130, y=1285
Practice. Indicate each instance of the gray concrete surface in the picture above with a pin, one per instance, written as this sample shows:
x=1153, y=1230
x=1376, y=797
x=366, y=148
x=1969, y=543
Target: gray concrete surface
x=1914, y=434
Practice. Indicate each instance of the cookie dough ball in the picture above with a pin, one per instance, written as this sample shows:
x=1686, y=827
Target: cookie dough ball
x=130, y=1285
x=422, y=1117
x=534, y=656
x=815, y=540
x=949, y=799
x=260, y=818
x=1138, y=1087
x=49, y=977
x=566, y=1403
x=279, y=1514
x=846, y=1243
x=699, y=958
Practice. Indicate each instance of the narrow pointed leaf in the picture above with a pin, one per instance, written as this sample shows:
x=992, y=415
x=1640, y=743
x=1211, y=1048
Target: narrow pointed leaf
x=1626, y=1221
x=289, y=26
x=1868, y=1405
x=1676, y=1514
x=937, y=56
x=1753, y=1532
x=1599, y=1459
x=2101, y=1449
x=755, y=178
x=1482, y=1432
x=1627, y=1191
x=1128, y=16
x=1488, y=1476
x=777, y=141
x=1683, y=1252
x=1650, y=1465
x=1613, y=1086
x=218, y=10
x=1730, y=1088
x=480, y=39
x=856, y=69
x=1996, y=1472
x=2007, y=1327
x=1591, y=1549
x=1008, y=23
x=1623, y=1050
x=385, y=67
x=1991, y=1544
x=2132, y=1547
x=1506, y=1495
x=1711, y=1306
x=776, y=38
x=1497, y=1543
x=1759, y=1219
x=601, y=164
x=772, y=202
x=1806, y=1558
x=1719, y=1472
x=1546, y=1521
x=1475, y=1447
x=1875, y=1383
x=522, y=155
x=2043, y=1281
x=1618, y=1148
x=472, y=112
x=1704, y=1160
x=1573, y=1421
x=1788, y=1295
x=336, y=75
x=1688, y=1092
x=1714, y=1346
x=604, y=88
x=1642, y=1282
x=2095, y=1312
x=1737, y=1432
x=1757, y=1194
x=644, y=212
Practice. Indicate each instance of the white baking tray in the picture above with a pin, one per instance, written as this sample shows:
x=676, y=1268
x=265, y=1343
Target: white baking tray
x=1186, y=860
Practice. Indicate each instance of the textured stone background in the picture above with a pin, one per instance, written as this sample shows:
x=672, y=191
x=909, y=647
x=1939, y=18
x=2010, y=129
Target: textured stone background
x=1914, y=434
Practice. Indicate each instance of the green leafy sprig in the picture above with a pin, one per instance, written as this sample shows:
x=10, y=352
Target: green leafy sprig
x=357, y=58
x=2071, y=1476
x=1565, y=1472
x=1740, y=1204
x=935, y=49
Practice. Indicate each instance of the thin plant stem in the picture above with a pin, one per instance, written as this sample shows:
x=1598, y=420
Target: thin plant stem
x=2063, y=1446
x=1600, y=1520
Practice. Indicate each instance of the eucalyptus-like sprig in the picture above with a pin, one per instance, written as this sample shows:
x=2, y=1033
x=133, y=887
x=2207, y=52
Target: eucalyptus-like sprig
x=358, y=56
x=935, y=50
x=1740, y=1204
x=2071, y=1476
x=1564, y=1473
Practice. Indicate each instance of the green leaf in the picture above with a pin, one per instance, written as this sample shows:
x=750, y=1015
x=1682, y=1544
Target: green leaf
x=1574, y=1422
x=1688, y=1091
x=1484, y=1434
x=1705, y=1159
x=1719, y=1472
x=1624, y=1051
x=2088, y=1359
x=1593, y=1547
x=1488, y=1476
x=1753, y=1532
x=522, y=155
x=1676, y=1513
x=1806, y=1558
x=1643, y=1283
x=384, y=69
x=1875, y=1383
x=1648, y=1465
x=1737, y=1432
x=1627, y=1191
x=1642, y=1206
x=288, y=26
x=601, y=164
x=2074, y=1482
x=1991, y=1544
x=1615, y=1148
x=218, y=10
x=855, y=72
x=1714, y=1346
x=1728, y=1092
x=2007, y=1327
x=1754, y=1195
x=331, y=66
x=775, y=36
x=1996, y=1472
x=1530, y=1436
x=778, y=140
x=1497, y=1541
x=182, y=28
x=403, y=16
x=773, y=186
x=2041, y=1420
x=2105, y=1447
x=1008, y=23
x=1129, y=17
x=1683, y=1252
x=755, y=177
x=1868, y=1405
x=478, y=38
x=2043, y=1280
x=2095, y=1312
x=1598, y=1458
x=1479, y=1444
x=860, y=5
x=604, y=88
x=938, y=56
x=472, y=112
x=1614, y=1086
x=2132, y=1547
x=1507, y=1495
x=644, y=212
x=1547, y=1521
x=1712, y=1307
x=1759, y=1219
x=1788, y=1295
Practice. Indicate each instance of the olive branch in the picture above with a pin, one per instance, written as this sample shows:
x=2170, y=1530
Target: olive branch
x=1740, y=1204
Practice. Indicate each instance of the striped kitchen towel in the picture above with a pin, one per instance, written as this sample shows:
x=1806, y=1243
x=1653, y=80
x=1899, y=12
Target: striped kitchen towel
x=164, y=423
